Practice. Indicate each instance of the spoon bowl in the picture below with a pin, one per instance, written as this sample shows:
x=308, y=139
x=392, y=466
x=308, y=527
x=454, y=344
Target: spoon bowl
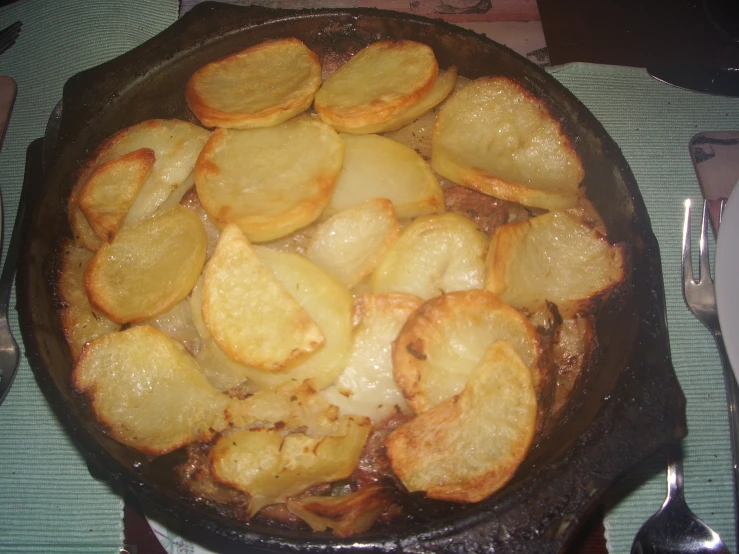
x=674, y=529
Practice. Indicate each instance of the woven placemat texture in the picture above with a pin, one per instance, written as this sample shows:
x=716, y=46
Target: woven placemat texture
x=48, y=501
x=653, y=123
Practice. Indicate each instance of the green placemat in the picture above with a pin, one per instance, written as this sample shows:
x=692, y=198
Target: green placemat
x=48, y=501
x=653, y=123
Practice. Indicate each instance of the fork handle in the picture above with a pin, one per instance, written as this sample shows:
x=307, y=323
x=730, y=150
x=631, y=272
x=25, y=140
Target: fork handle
x=732, y=398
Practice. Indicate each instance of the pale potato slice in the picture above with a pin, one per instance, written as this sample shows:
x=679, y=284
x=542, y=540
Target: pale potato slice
x=470, y=445
x=148, y=393
x=270, y=466
x=445, y=339
x=249, y=313
x=269, y=181
x=80, y=321
x=328, y=303
x=366, y=386
x=149, y=267
x=554, y=257
x=380, y=81
x=379, y=167
x=178, y=324
x=108, y=194
x=434, y=255
x=496, y=137
x=260, y=86
x=443, y=86
x=345, y=515
x=350, y=243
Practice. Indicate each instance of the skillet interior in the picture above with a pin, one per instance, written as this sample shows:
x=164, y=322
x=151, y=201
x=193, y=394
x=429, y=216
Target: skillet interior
x=626, y=408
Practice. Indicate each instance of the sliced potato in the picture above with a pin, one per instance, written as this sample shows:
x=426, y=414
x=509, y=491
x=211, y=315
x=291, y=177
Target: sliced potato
x=249, y=313
x=269, y=181
x=148, y=393
x=270, y=467
x=350, y=243
x=107, y=195
x=434, y=255
x=379, y=167
x=149, y=267
x=345, y=515
x=445, y=339
x=380, y=81
x=554, y=257
x=496, y=137
x=178, y=324
x=366, y=386
x=469, y=446
x=444, y=85
x=260, y=86
x=80, y=321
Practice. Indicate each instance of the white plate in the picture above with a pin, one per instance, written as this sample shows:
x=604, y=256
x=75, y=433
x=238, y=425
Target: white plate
x=173, y=543
x=727, y=278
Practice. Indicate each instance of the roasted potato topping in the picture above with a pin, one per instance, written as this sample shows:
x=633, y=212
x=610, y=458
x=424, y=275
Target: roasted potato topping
x=445, y=338
x=350, y=243
x=366, y=386
x=379, y=167
x=260, y=86
x=347, y=514
x=382, y=80
x=269, y=181
x=434, y=255
x=270, y=466
x=555, y=258
x=470, y=445
x=249, y=313
x=81, y=322
x=495, y=137
x=108, y=194
x=148, y=392
x=126, y=278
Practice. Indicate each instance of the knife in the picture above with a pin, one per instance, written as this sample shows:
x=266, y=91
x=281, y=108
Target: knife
x=723, y=81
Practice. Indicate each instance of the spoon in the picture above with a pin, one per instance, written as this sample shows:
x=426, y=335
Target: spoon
x=674, y=529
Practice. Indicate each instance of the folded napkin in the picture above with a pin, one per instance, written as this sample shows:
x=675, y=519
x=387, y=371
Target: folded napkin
x=653, y=123
x=48, y=501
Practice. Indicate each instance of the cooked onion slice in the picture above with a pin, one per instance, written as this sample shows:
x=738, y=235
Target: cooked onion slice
x=149, y=267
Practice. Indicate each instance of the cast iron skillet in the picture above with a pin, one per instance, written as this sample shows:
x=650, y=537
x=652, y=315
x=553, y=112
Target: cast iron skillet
x=626, y=407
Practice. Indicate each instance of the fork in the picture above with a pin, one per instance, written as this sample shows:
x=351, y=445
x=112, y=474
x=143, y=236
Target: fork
x=9, y=35
x=700, y=296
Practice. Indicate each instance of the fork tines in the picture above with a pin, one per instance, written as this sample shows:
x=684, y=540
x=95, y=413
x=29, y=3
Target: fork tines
x=9, y=35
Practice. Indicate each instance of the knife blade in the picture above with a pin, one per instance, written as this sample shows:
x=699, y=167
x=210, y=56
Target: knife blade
x=723, y=81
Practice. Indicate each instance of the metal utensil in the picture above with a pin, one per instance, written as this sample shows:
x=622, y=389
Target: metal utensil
x=723, y=81
x=9, y=35
x=674, y=529
x=700, y=296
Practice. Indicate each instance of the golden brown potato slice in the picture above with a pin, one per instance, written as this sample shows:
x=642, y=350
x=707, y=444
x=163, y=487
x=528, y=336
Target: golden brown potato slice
x=350, y=243
x=249, y=313
x=260, y=86
x=554, y=257
x=470, y=445
x=496, y=137
x=379, y=167
x=434, y=255
x=442, y=87
x=149, y=267
x=345, y=515
x=108, y=194
x=148, y=393
x=445, y=339
x=269, y=181
x=366, y=386
x=380, y=81
x=80, y=321
x=270, y=466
